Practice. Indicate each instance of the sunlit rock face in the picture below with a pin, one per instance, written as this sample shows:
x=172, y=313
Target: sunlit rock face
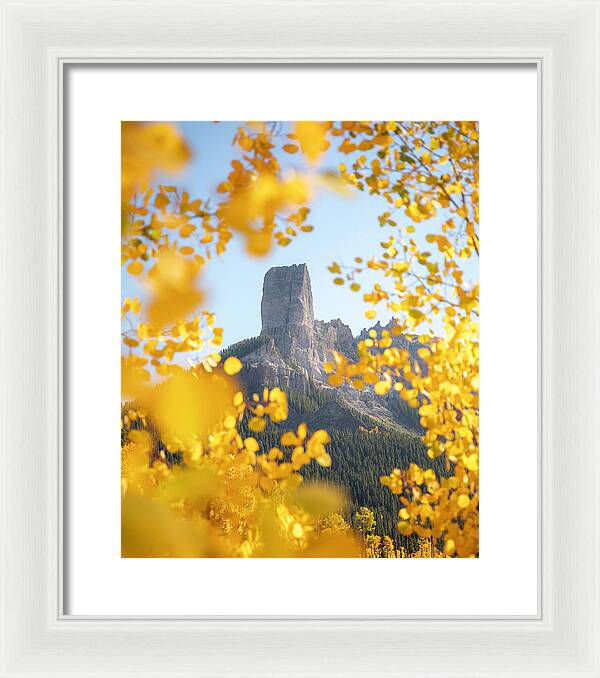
x=288, y=318
x=287, y=298
x=287, y=312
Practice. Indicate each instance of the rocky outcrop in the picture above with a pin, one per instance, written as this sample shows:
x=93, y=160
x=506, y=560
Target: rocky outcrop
x=293, y=347
x=287, y=299
x=333, y=335
x=409, y=343
x=288, y=319
x=287, y=313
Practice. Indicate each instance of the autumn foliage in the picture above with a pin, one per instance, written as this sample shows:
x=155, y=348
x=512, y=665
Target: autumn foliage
x=192, y=485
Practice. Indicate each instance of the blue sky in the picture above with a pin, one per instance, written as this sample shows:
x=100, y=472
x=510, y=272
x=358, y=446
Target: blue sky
x=345, y=227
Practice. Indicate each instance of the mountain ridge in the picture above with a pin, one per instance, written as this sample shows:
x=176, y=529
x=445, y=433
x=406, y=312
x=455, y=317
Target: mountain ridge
x=292, y=346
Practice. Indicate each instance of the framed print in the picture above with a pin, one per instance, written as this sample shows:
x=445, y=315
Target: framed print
x=268, y=291
x=283, y=344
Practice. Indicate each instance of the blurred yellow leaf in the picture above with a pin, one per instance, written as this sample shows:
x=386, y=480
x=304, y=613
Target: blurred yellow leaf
x=190, y=404
x=172, y=284
x=232, y=365
x=147, y=149
x=312, y=137
x=135, y=267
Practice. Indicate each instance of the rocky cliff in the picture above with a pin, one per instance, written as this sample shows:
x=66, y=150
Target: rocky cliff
x=292, y=347
x=288, y=318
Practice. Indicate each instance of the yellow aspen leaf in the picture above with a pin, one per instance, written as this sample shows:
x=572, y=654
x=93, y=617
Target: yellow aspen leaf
x=324, y=459
x=232, y=365
x=416, y=315
x=370, y=314
x=289, y=438
x=404, y=528
x=463, y=501
x=449, y=547
x=290, y=148
x=302, y=431
x=413, y=212
x=186, y=230
x=251, y=444
x=148, y=148
x=312, y=138
x=267, y=484
x=335, y=380
x=162, y=370
x=256, y=424
x=172, y=283
x=472, y=462
x=135, y=267
x=382, y=387
x=161, y=201
x=320, y=437
x=190, y=404
x=383, y=140
x=370, y=378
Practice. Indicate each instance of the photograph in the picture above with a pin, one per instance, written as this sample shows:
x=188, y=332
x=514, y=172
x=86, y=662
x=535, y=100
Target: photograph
x=300, y=339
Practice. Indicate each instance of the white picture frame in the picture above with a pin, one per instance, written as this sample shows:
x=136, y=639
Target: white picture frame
x=39, y=40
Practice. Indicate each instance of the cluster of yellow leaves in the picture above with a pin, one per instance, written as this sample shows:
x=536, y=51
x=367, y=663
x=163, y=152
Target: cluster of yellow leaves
x=261, y=203
x=227, y=497
x=146, y=150
x=448, y=402
x=423, y=170
x=157, y=346
x=252, y=208
x=311, y=137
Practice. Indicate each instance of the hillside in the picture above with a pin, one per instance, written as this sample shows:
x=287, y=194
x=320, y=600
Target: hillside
x=370, y=434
